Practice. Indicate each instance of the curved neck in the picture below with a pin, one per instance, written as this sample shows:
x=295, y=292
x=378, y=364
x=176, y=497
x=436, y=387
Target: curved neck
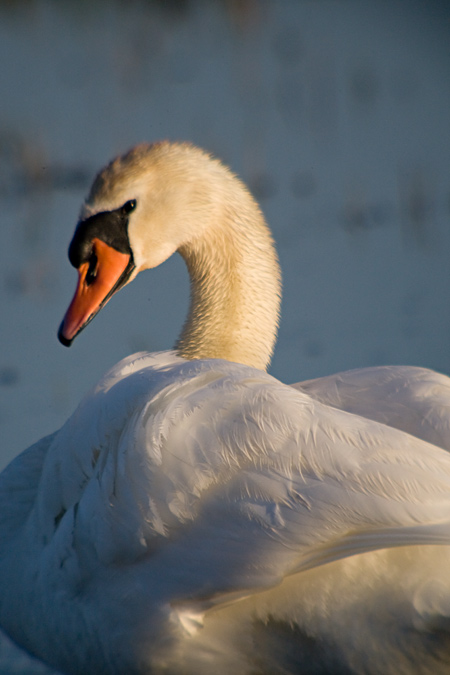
x=235, y=288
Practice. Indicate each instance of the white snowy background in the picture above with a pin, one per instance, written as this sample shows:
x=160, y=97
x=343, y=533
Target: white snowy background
x=335, y=112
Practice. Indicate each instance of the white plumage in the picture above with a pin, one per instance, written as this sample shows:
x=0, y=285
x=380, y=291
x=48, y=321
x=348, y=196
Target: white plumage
x=197, y=516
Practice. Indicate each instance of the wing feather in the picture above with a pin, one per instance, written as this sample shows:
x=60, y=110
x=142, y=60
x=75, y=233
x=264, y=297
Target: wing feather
x=241, y=478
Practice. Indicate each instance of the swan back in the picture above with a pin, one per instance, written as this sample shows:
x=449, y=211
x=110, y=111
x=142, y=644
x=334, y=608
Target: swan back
x=179, y=487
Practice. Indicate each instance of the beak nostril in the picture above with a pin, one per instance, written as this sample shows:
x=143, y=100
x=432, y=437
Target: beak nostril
x=92, y=270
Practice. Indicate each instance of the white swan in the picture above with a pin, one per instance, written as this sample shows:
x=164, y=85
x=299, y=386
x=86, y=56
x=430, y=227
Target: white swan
x=195, y=515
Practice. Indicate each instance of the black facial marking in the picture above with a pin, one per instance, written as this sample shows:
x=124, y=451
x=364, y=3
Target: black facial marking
x=109, y=226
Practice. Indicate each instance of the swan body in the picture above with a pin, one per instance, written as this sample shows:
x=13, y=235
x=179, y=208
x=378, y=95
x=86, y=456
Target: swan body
x=195, y=515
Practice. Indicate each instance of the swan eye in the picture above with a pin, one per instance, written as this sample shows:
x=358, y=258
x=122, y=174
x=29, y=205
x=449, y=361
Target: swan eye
x=92, y=270
x=129, y=206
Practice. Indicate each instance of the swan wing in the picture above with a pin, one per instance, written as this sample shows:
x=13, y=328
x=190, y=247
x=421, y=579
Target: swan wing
x=217, y=479
x=415, y=400
x=19, y=484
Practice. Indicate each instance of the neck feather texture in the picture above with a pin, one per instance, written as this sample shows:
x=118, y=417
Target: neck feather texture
x=235, y=288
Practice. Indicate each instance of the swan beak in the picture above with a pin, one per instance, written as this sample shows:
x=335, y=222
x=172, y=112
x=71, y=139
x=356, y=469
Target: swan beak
x=95, y=288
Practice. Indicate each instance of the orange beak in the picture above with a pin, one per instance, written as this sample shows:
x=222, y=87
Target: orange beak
x=112, y=271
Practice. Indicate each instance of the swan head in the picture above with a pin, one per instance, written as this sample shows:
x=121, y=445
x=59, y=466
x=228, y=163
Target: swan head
x=142, y=207
x=167, y=197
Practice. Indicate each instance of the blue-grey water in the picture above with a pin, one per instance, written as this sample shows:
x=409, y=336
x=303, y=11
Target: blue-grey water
x=334, y=112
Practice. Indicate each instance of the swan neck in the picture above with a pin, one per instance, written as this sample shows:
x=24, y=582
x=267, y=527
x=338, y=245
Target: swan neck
x=235, y=290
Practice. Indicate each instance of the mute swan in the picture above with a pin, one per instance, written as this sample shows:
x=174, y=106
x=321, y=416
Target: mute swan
x=195, y=515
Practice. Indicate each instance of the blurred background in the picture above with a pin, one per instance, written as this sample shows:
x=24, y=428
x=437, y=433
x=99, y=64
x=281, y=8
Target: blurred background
x=336, y=114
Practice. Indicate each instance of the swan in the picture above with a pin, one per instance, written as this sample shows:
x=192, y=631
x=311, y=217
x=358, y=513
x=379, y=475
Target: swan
x=196, y=515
